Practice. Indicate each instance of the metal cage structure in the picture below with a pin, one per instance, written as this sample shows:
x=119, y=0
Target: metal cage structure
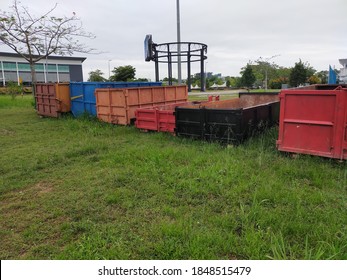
x=188, y=52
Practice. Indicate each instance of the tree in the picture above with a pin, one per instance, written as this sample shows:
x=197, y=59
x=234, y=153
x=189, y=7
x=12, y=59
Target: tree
x=298, y=75
x=166, y=80
x=323, y=76
x=283, y=73
x=268, y=69
x=314, y=79
x=36, y=37
x=123, y=73
x=278, y=82
x=247, y=78
x=96, y=76
x=141, y=80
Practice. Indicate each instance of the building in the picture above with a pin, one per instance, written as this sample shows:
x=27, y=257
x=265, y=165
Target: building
x=15, y=68
x=343, y=71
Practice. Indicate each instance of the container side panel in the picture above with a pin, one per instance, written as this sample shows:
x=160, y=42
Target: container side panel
x=118, y=115
x=307, y=138
x=88, y=91
x=190, y=122
x=166, y=121
x=146, y=119
x=311, y=122
x=77, y=99
x=170, y=94
x=310, y=107
x=145, y=97
x=117, y=98
x=132, y=95
x=159, y=95
x=46, y=102
x=223, y=125
x=63, y=95
x=182, y=93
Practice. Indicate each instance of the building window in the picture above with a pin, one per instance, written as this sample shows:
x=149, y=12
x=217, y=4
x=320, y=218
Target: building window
x=25, y=67
x=10, y=66
x=63, y=68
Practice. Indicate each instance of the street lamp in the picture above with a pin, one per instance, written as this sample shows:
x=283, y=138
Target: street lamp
x=206, y=75
x=179, y=74
x=266, y=63
x=109, y=70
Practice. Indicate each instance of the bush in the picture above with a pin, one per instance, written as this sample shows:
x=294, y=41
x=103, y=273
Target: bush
x=14, y=89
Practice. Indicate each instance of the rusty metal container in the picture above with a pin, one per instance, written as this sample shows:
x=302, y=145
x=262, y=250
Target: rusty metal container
x=260, y=97
x=228, y=121
x=159, y=118
x=52, y=99
x=314, y=121
x=118, y=105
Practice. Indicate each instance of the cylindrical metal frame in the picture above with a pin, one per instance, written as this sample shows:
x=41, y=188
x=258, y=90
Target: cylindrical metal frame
x=184, y=52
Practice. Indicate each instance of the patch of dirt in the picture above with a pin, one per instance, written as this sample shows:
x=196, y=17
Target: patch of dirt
x=7, y=132
x=43, y=187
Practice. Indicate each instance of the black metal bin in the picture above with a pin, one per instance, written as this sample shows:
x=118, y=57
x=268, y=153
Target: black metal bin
x=228, y=121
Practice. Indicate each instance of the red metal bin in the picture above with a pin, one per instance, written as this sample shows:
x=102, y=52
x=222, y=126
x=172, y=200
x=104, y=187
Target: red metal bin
x=314, y=122
x=159, y=118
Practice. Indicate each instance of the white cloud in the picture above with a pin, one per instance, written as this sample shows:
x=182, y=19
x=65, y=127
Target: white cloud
x=235, y=31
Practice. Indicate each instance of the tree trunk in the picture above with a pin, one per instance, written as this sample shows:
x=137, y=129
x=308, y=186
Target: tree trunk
x=33, y=80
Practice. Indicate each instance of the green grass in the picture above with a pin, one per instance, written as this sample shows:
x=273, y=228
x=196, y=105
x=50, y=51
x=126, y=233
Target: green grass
x=20, y=101
x=81, y=189
x=263, y=90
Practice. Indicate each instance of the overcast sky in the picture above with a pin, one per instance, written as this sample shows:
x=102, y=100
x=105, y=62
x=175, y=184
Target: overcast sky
x=235, y=31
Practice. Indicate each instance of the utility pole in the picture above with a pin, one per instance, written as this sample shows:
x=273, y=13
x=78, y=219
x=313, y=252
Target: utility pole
x=266, y=63
x=179, y=73
x=109, y=69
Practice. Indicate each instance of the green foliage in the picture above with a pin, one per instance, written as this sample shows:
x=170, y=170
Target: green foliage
x=13, y=89
x=323, y=76
x=300, y=73
x=277, y=83
x=264, y=71
x=272, y=71
x=248, y=77
x=141, y=80
x=166, y=80
x=310, y=71
x=123, y=73
x=235, y=82
x=314, y=79
x=214, y=79
x=96, y=76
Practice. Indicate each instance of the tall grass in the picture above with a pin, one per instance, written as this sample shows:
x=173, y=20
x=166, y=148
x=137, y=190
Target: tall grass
x=82, y=189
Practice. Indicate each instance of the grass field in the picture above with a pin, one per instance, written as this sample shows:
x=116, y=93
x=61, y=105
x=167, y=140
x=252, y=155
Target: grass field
x=81, y=189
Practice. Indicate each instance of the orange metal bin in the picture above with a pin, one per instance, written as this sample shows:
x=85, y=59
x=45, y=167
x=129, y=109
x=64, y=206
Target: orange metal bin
x=52, y=99
x=118, y=105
